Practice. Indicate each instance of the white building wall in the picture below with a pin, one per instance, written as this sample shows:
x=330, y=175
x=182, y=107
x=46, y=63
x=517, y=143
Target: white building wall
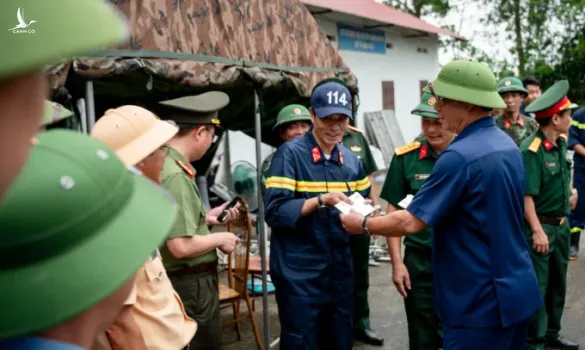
x=401, y=64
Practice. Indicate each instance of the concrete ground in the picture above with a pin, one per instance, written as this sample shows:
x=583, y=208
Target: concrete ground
x=389, y=320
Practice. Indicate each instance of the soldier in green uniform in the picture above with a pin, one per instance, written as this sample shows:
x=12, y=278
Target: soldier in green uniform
x=546, y=207
x=95, y=223
x=512, y=122
x=27, y=48
x=54, y=113
x=189, y=254
x=292, y=121
x=360, y=245
x=410, y=167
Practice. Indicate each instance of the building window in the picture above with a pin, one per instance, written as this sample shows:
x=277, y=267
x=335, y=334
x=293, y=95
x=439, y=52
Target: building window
x=388, y=95
x=422, y=84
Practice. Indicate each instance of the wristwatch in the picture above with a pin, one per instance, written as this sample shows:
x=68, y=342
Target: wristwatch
x=320, y=203
x=365, y=227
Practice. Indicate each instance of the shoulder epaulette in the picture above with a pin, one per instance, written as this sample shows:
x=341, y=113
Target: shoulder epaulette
x=535, y=144
x=185, y=168
x=354, y=129
x=407, y=148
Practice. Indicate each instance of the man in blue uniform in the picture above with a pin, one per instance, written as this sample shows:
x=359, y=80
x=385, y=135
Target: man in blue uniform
x=577, y=144
x=485, y=285
x=310, y=258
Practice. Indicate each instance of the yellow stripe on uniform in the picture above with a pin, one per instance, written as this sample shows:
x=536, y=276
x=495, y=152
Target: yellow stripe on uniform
x=284, y=183
x=577, y=124
x=280, y=183
x=575, y=230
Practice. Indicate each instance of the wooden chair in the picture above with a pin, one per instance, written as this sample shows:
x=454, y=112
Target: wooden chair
x=237, y=288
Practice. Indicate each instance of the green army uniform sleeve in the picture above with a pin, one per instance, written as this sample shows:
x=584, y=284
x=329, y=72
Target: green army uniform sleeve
x=395, y=186
x=369, y=162
x=357, y=143
x=188, y=219
x=532, y=165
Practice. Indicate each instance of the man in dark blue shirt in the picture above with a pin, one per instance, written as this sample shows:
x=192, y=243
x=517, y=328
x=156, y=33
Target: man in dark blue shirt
x=485, y=285
x=577, y=144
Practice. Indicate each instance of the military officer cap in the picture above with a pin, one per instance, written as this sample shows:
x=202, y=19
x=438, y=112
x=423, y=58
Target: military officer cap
x=426, y=107
x=133, y=132
x=194, y=110
x=511, y=84
x=38, y=33
x=470, y=82
x=292, y=113
x=76, y=225
x=552, y=101
x=54, y=112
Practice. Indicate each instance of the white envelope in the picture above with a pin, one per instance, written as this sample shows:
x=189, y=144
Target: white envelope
x=406, y=201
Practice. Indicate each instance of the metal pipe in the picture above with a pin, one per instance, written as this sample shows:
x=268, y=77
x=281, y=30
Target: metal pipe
x=89, y=97
x=260, y=219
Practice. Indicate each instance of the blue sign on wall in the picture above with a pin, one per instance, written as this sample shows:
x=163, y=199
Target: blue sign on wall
x=356, y=39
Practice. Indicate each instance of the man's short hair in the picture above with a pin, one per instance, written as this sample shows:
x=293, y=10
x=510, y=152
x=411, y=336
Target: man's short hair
x=530, y=81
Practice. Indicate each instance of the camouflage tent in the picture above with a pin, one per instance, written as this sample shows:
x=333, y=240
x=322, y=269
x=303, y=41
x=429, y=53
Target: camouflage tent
x=182, y=47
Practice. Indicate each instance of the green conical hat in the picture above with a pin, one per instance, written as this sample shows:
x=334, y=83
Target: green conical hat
x=54, y=112
x=292, y=113
x=426, y=107
x=470, y=82
x=76, y=225
x=511, y=84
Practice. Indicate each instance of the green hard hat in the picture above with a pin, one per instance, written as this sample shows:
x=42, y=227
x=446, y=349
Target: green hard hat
x=292, y=113
x=76, y=225
x=470, y=82
x=552, y=101
x=511, y=84
x=54, y=112
x=426, y=107
x=37, y=33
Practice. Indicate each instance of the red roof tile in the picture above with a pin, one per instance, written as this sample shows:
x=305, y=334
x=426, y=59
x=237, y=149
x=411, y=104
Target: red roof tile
x=380, y=12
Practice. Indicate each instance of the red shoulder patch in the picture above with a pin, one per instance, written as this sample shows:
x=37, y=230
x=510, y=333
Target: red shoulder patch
x=316, y=154
x=424, y=151
x=186, y=169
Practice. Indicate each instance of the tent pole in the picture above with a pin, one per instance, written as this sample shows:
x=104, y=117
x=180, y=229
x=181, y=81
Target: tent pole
x=260, y=219
x=90, y=105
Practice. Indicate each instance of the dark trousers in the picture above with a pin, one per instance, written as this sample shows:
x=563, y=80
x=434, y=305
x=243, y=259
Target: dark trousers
x=424, y=327
x=501, y=338
x=360, y=254
x=309, y=325
x=200, y=295
x=551, y=272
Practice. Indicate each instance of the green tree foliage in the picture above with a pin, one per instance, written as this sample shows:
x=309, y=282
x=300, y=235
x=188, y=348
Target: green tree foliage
x=421, y=8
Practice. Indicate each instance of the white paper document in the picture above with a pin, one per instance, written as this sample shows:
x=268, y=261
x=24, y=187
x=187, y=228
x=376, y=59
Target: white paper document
x=358, y=205
x=406, y=201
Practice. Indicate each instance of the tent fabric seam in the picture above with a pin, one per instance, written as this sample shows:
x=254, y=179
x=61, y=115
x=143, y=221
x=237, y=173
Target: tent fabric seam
x=211, y=59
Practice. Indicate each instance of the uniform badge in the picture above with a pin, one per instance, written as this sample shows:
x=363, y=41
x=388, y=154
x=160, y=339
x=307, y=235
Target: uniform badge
x=186, y=169
x=340, y=157
x=432, y=101
x=297, y=111
x=547, y=145
x=550, y=164
x=508, y=83
x=507, y=123
x=356, y=148
x=424, y=150
x=316, y=154
x=421, y=176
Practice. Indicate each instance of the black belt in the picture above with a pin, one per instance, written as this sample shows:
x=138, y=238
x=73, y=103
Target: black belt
x=197, y=269
x=551, y=220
